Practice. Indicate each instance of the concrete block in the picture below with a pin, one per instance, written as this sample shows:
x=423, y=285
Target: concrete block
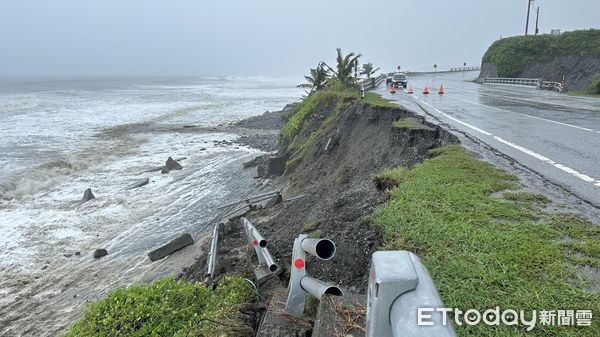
x=171, y=247
x=334, y=313
x=276, y=165
x=278, y=323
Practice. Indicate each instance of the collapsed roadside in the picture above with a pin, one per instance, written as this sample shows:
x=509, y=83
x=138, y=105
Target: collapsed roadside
x=375, y=176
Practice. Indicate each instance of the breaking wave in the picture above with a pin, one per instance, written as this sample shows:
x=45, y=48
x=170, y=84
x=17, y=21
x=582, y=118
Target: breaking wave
x=33, y=180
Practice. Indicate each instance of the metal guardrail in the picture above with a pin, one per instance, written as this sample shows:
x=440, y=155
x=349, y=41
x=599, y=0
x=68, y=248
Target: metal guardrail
x=300, y=282
x=253, y=198
x=465, y=69
x=523, y=82
x=372, y=83
x=259, y=243
x=526, y=82
x=552, y=86
x=212, y=254
x=399, y=286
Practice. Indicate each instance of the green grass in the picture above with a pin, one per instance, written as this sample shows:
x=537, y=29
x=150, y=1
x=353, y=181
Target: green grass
x=405, y=123
x=304, y=109
x=310, y=226
x=527, y=197
x=168, y=308
x=512, y=54
x=378, y=101
x=483, y=251
x=296, y=119
x=315, y=235
x=592, y=90
x=594, y=87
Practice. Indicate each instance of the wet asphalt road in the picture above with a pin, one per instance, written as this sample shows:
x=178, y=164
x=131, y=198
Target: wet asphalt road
x=556, y=135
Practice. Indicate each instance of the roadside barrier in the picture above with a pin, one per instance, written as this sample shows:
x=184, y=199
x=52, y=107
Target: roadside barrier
x=212, y=254
x=259, y=243
x=399, y=285
x=465, y=69
x=300, y=282
x=524, y=82
x=250, y=199
x=372, y=83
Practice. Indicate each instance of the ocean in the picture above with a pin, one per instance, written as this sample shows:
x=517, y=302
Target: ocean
x=59, y=137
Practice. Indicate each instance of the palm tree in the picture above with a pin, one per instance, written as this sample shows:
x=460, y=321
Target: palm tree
x=367, y=69
x=345, y=66
x=317, y=80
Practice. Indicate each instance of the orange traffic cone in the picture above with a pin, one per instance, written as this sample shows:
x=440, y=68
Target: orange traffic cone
x=441, y=92
x=410, y=91
x=393, y=89
x=426, y=90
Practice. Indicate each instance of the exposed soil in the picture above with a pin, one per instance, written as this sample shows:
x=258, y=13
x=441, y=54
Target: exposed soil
x=340, y=192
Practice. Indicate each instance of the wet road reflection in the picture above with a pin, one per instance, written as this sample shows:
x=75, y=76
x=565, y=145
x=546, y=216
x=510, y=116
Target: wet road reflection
x=553, y=134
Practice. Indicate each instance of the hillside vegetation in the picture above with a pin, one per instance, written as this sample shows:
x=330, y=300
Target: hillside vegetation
x=511, y=55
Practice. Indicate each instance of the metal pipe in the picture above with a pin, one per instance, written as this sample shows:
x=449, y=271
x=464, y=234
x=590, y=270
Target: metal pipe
x=319, y=288
x=324, y=249
x=258, y=238
x=269, y=261
x=259, y=243
x=295, y=198
x=212, y=253
x=234, y=211
x=253, y=197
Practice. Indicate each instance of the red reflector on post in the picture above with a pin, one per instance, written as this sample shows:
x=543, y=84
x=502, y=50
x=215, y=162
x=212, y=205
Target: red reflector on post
x=299, y=263
x=255, y=243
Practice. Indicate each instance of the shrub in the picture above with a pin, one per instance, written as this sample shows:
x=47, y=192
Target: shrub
x=167, y=308
x=594, y=87
x=511, y=55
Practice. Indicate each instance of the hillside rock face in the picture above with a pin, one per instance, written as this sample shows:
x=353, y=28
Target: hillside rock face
x=488, y=70
x=579, y=71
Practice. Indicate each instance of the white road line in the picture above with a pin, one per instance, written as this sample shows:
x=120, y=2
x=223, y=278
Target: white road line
x=564, y=168
x=456, y=120
x=570, y=106
x=525, y=150
x=525, y=115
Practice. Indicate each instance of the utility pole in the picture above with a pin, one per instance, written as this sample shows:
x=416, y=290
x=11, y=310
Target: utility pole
x=537, y=18
x=527, y=21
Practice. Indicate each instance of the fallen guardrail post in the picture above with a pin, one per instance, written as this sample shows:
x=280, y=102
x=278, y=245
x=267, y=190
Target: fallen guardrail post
x=212, y=254
x=300, y=282
x=259, y=243
x=253, y=198
x=399, y=288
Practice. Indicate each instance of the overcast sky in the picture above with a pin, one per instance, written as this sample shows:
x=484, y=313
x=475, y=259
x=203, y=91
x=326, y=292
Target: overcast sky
x=260, y=37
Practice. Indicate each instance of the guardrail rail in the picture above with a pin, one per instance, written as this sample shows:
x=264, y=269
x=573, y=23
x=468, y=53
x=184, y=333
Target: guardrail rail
x=523, y=82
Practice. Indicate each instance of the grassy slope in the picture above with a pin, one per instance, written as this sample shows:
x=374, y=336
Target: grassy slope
x=483, y=251
x=167, y=308
x=305, y=108
x=512, y=54
x=290, y=133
